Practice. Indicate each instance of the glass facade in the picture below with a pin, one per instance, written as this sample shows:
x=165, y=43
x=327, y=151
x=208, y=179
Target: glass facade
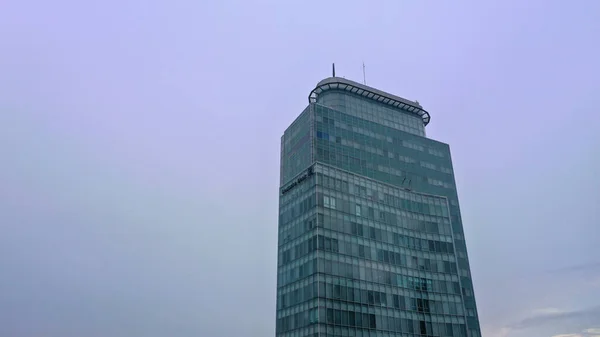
x=370, y=234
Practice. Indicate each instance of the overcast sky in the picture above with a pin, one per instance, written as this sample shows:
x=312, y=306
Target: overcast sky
x=139, y=153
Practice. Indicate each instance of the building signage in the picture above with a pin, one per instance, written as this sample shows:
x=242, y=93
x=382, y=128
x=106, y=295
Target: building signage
x=309, y=172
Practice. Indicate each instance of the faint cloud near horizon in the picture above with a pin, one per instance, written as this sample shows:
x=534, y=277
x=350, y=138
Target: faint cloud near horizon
x=547, y=311
x=545, y=317
x=592, y=332
x=595, y=266
x=551, y=315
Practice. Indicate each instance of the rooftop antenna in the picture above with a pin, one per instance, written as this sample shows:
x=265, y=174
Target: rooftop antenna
x=364, y=76
x=333, y=68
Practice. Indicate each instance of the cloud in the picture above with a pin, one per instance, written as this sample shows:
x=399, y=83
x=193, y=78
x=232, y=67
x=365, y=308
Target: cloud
x=594, y=266
x=503, y=332
x=552, y=315
x=593, y=332
x=547, y=311
x=594, y=282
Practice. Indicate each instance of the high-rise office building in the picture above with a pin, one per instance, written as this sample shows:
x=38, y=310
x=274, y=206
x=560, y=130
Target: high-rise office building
x=371, y=240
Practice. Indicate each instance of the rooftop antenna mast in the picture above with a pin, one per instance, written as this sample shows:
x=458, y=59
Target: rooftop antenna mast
x=333, y=68
x=364, y=75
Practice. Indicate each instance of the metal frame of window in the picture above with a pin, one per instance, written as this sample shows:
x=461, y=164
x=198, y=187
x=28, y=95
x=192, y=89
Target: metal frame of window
x=335, y=83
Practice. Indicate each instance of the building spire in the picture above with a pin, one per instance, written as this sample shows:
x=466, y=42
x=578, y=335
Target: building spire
x=364, y=74
x=333, y=68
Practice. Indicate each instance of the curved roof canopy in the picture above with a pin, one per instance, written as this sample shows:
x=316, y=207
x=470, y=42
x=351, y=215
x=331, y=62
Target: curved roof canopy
x=337, y=83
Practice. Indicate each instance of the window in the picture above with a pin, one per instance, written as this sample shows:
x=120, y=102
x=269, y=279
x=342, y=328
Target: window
x=329, y=202
x=362, y=190
x=312, y=315
x=436, y=153
x=358, y=210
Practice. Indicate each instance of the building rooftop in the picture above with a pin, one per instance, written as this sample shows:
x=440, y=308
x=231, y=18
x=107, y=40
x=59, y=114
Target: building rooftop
x=338, y=83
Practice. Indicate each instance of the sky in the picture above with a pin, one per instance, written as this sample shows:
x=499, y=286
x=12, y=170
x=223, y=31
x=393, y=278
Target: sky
x=139, y=146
